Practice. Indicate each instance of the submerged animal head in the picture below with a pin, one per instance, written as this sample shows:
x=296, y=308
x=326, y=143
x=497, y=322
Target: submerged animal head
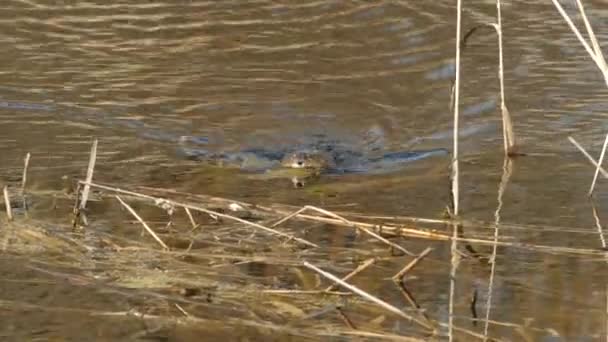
x=307, y=160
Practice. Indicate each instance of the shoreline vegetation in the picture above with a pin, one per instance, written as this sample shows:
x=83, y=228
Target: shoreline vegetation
x=203, y=245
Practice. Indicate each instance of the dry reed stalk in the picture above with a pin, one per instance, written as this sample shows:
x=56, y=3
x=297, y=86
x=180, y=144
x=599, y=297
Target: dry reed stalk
x=423, y=234
x=596, y=52
x=369, y=297
x=191, y=218
x=506, y=175
x=507, y=123
x=598, y=225
x=307, y=292
x=345, y=221
x=589, y=157
x=158, y=201
x=143, y=223
x=454, y=261
x=597, y=169
x=7, y=204
x=26, y=164
x=367, y=263
x=89, y=179
x=455, y=174
x=399, y=275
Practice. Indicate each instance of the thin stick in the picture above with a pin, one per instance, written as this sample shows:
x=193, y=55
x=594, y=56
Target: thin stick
x=26, y=165
x=455, y=170
x=143, y=223
x=345, y=221
x=358, y=270
x=194, y=225
x=597, y=169
x=7, y=204
x=369, y=297
x=397, y=277
x=157, y=201
x=598, y=225
x=89, y=179
x=345, y=318
x=584, y=152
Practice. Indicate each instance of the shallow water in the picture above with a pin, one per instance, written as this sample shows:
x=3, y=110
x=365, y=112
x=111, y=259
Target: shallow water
x=138, y=75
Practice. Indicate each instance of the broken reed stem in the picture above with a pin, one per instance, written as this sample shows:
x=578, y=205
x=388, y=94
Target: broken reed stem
x=455, y=175
x=158, y=200
x=368, y=296
x=89, y=179
x=595, y=53
x=345, y=221
x=589, y=157
x=7, y=204
x=367, y=263
x=454, y=261
x=599, y=164
x=507, y=123
x=598, y=225
x=143, y=223
x=397, y=277
x=26, y=164
x=191, y=218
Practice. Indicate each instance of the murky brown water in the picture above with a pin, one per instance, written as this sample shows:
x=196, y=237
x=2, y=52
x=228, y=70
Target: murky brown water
x=140, y=74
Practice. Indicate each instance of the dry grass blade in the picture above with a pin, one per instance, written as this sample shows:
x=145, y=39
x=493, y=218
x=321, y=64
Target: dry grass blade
x=7, y=204
x=157, y=200
x=143, y=223
x=345, y=221
x=89, y=179
x=597, y=169
x=368, y=296
x=586, y=154
x=397, y=277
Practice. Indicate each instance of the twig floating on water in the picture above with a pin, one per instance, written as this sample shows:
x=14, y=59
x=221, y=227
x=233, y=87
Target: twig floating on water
x=397, y=277
x=7, y=204
x=345, y=221
x=148, y=229
x=89, y=179
x=368, y=296
x=597, y=168
x=586, y=154
x=26, y=164
x=207, y=211
x=367, y=263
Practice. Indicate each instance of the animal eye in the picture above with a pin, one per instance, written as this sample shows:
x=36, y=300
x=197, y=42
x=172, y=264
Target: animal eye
x=300, y=163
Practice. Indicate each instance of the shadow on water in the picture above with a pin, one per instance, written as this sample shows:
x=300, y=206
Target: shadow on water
x=242, y=84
